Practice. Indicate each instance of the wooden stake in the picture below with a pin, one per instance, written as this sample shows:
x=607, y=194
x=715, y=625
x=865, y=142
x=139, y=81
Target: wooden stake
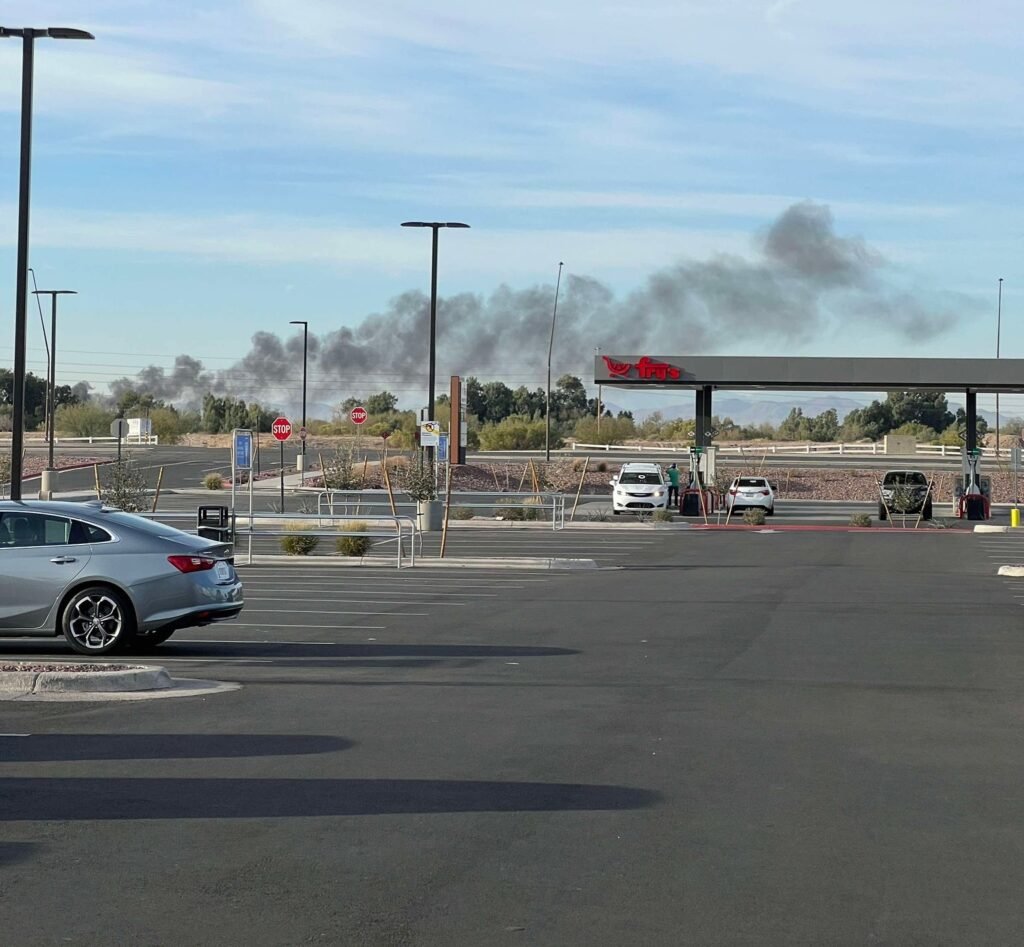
x=583, y=476
x=522, y=479
x=96, y=475
x=323, y=469
x=387, y=482
x=447, y=510
x=159, y=481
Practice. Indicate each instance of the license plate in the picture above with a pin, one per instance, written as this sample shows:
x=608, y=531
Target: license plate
x=223, y=571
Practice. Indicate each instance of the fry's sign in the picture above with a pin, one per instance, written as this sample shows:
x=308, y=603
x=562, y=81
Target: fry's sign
x=646, y=369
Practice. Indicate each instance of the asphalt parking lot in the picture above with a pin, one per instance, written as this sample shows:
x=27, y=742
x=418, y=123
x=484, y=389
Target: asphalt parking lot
x=734, y=738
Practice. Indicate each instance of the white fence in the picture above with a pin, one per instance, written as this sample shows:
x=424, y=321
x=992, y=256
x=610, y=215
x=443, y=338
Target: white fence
x=927, y=450
x=150, y=439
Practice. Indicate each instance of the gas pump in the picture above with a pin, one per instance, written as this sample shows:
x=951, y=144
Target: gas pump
x=695, y=499
x=971, y=502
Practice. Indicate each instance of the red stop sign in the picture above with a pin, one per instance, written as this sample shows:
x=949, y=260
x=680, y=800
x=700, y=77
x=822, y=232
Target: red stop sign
x=358, y=414
x=281, y=429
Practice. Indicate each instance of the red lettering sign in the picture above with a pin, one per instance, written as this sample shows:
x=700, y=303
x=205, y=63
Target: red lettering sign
x=281, y=429
x=646, y=369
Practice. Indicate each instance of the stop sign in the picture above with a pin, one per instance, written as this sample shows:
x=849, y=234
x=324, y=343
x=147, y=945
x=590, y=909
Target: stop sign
x=281, y=429
x=358, y=414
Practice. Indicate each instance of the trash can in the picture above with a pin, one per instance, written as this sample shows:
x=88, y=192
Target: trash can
x=974, y=506
x=214, y=522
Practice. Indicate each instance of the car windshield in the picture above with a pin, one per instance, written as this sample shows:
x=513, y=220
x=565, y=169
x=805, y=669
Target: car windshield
x=750, y=482
x=636, y=476
x=912, y=478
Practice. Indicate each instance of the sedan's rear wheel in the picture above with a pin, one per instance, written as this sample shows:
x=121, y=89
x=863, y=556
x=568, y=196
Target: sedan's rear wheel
x=97, y=620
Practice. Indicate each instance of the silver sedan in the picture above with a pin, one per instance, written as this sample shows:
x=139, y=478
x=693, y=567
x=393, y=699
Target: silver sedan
x=106, y=579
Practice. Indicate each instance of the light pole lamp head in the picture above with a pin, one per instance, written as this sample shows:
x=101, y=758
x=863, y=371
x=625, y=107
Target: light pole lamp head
x=435, y=224
x=54, y=32
x=55, y=292
x=298, y=322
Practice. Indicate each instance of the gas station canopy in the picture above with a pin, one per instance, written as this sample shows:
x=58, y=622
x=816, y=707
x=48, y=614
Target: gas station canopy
x=784, y=373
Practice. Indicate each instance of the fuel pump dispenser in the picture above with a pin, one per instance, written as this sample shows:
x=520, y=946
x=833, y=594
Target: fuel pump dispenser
x=695, y=499
x=972, y=502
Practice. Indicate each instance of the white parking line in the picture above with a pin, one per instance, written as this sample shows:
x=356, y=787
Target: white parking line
x=326, y=614
x=388, y=592
x=321, y=627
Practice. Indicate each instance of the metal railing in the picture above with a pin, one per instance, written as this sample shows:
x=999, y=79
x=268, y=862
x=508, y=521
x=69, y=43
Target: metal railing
x=940, y=450
x=351, y=501
x=550, y=504
x=384, y=529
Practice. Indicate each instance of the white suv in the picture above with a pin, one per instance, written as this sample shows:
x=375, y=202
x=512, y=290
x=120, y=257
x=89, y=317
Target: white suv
x=639, y=488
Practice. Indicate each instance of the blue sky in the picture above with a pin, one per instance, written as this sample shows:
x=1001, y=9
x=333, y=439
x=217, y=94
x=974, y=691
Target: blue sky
x=206, y=171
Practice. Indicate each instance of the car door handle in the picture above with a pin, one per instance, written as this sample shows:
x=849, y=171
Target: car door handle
x=63, y=560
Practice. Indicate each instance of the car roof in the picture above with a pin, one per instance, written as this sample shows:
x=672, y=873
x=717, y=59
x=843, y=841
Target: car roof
x=62, y=507
x=640, y=465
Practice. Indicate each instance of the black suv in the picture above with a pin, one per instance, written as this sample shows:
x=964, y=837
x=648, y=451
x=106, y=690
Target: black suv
x=904, y=491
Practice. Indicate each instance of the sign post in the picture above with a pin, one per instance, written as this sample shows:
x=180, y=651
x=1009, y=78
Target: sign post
x=282, y=430
x=242, y=460
x=119, y=429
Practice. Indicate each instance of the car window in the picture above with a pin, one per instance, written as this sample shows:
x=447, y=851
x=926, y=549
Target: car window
x=18, y=530
x=750, y=482
x=82, y=533
x=913, y=478
x=636, y=476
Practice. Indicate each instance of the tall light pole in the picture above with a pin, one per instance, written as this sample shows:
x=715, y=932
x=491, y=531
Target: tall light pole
x=999, y=328
x=305, y=349
x=551, y=345
x=49, y=480
x=28, y=36
x=434, y=226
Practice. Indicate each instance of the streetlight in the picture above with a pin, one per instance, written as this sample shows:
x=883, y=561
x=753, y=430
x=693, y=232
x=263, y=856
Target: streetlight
x=999, y=327
x=49, y=480
x=434, y=226
x=302, y=434
x=551, y=344
x=28, y=35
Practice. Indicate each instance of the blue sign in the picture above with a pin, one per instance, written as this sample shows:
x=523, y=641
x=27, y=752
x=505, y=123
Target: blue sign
x=243, y=450
x=442, y=448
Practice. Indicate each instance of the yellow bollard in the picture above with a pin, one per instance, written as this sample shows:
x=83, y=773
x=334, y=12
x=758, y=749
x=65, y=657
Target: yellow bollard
x=1015, y=517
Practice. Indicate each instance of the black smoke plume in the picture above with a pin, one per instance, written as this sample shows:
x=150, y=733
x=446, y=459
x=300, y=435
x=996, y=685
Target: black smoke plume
x=802, y=281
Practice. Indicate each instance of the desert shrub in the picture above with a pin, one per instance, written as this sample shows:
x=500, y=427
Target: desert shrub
x=298, y=544
x=860, y=519
x=518, y=513
x=514, y=433
x=353, y=545
x=662, y=516
x=753, y=517
x=461, y=513
x=83, y=420
x=123, y=486
x=339, y=469
x=213, y=481
x=599, y=516
x=602, y=466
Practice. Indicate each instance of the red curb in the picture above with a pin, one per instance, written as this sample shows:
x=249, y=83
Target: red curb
x=92, y=463
x=810, y=528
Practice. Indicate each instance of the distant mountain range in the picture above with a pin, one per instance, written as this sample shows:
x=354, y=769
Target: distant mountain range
x=754, y=410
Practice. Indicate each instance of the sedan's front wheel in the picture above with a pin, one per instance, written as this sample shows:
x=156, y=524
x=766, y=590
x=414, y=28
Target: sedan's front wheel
x=97, y=620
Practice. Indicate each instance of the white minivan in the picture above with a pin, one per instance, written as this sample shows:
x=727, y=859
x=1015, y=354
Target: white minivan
x=639, y=488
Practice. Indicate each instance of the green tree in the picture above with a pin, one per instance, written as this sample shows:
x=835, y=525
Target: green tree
x=929, y=408
x=83, y=420
x=512, y=433
x=381, y=403
x=610, y=431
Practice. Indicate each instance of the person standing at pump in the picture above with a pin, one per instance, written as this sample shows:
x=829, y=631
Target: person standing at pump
x=673, y=485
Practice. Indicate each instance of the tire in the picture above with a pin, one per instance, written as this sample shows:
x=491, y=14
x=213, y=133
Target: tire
x=770, y=511
x=928, y=510
x=98, y=620
x=616, y=512
x=147, y=641
x=881, y=512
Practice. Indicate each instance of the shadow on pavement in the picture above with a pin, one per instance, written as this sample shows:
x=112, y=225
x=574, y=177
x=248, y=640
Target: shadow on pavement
x=72, y=800
x=299, y=649
x=45, y=747
x=11, y=853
